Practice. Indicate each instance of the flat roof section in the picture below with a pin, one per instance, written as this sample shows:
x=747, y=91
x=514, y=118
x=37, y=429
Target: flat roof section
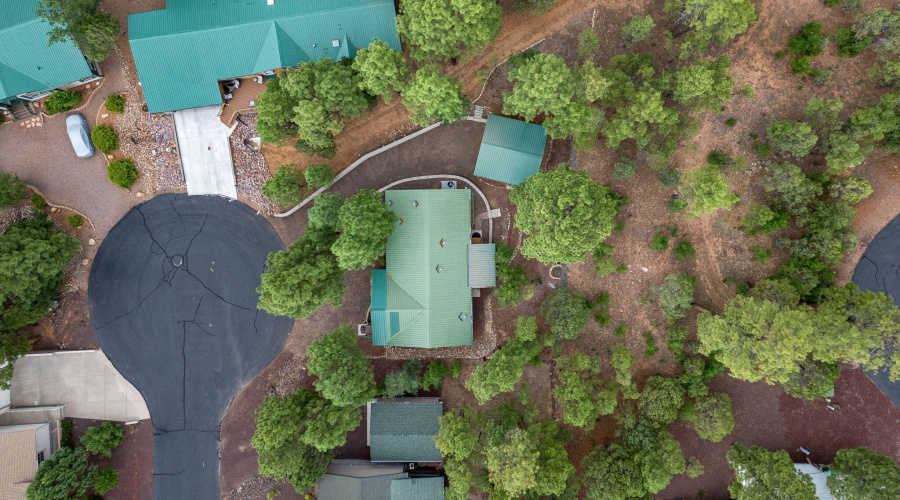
x=205, y=152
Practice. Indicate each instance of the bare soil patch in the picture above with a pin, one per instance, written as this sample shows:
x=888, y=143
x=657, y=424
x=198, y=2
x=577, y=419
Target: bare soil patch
x=132, y=459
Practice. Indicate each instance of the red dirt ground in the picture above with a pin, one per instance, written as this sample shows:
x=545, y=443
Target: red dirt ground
x=133, y=460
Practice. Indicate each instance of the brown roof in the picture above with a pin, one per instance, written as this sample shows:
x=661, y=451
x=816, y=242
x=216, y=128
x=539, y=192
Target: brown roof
x=17, y=463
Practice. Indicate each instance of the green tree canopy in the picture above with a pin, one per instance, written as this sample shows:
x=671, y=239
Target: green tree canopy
x=566, y=312
x=862, y=473
x=706, y=191
x=13, y=345
x=638, y=465
x=565, y=214
x=405, y=381
x=710, y=21
x=297, y=282
x=12, y=189
x=763, y=220
x=323, y=216
x=382, y=70
x=792, y=190
x=766, y=475
x=319, y=175
x=284, y=187
x=661, y=400
x=65, y=474
x=849, y=190
x=582, y=395
x=884, y=25
x=94, y=32
x=542, y=83
x=504, y=369
x=431, y=96
x=713, y=417
x=365, y=224
x=275, y=112
x=343, y=370
x=101, y=439
x=444, y=29
x=796, y=138
x=676, y=294
x=638, y=29
x=704, y=85
x=34, y=256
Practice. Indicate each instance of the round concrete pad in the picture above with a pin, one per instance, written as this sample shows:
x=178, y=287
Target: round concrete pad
x=877, y=271
x=172, y=295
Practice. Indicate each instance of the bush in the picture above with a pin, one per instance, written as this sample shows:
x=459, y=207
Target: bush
x=115, y=103
x=405, y=381
x=660, y=243
x=122, y=173
x=677, y=205
x=284, y=187
x=669, y=177
x=588, y=43
x=436, y=371
x=625, y=168
x=104, y=138
x=761, y=149
x=65, y=433
x=38, y=201
x=803, y=66
x=760, y=254
x=12, y=189
x=566, y=312
x=106, y=480
x=731, y=122
x=75, y=221
x=848, y=44
x=319, y=175
x=809, y=41
x=61, y=101
x=676, y=295
x=101, y=439
x=684, y=250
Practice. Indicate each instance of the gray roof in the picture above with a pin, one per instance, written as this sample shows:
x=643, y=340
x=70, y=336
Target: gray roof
x=334, y=487
x=403, y=430
x=418, y=488
x=482, y=265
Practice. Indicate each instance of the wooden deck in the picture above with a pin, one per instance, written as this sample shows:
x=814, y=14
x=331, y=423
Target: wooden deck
x=241, y=98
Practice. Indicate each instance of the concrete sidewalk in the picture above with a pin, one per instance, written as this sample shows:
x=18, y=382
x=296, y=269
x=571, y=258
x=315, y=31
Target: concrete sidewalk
x=85, y=381
x=205, y=152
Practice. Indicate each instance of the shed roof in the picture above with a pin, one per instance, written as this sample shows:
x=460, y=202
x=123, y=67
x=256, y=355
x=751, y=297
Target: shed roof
x=511, y=150
x=482, y=265
x=335, y=487
x=27, y=62
x=182, y=51
x=403, y=430
x=423, y=298
x=18, y=463
x=418, y=488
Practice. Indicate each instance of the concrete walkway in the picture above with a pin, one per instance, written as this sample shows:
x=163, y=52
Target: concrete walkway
x=84, y=381
x=205, y=152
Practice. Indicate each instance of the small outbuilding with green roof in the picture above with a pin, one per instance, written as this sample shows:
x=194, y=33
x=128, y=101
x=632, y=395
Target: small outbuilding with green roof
x=511, y=150
x=30, y=66
x=181, y=52
x=423, y=297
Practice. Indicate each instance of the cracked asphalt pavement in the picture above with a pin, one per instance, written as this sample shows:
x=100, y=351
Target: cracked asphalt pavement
x=879, y=271
x=172, y=295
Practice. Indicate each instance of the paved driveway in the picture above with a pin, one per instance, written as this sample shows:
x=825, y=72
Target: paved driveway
x=877, y=271
x=172, y=295
x=205, y=152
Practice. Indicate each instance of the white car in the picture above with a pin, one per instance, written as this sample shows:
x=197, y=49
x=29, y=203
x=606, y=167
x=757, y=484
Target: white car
x=77, y=128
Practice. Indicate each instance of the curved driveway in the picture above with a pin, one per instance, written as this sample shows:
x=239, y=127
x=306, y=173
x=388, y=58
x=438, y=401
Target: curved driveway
x=879, y=271
x=173, y=299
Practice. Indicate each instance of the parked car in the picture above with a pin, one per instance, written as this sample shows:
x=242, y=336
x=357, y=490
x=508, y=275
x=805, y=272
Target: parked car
x=79, y=135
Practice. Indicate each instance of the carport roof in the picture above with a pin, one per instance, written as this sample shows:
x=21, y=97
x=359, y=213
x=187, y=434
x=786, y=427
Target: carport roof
x=27, y=62
x=511, y=150
x=182, y=51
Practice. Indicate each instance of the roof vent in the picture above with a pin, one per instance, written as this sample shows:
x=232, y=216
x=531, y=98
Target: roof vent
x=438, y=268
x=270, y=2
x=390, y=203
x=415, y=203
x=401, y=220
x=443, y=242
x=335, y=42
x=463, y=317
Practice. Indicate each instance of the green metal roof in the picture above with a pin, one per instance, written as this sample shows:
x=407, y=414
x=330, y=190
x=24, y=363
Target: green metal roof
x=418, y=488
x=182, y=52
x=335, y=487
x=414, y=304
x=482, y=265
x=511, y=150
x=27, y=63
x=403, y=430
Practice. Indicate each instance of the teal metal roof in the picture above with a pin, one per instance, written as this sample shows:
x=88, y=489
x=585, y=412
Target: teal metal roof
x=27, y=63
x=182, y=52
x=403, y=430
x=511, y=150
x=413, y=303
x=418, y=488
x=482, y=265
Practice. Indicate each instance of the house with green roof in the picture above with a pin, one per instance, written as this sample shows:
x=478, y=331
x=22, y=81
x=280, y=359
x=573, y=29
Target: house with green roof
x=31, y=68
x=511, y=150
x=363, y=480
x=182, y=51
x=403, y=429
x=423, y=296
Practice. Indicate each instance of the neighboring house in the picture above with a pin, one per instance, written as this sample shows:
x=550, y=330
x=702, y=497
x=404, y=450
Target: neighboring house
x=30, y=68
x=403, y=429
x=819, y=476
x=362, y=480
x=511, y=150
x=22, y=448
x=182, y=51
x=423, y=297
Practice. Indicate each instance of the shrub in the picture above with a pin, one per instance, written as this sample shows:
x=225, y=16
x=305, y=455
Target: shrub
x=106, y=480
x=621, y=329
x=122, y=173
x=660, y=243
x=625, y=168
x=669, y=177
x=731, y=122
x=638, y=29
x=809, y=41
x=284, y=187
x=65, y=433
x=12, y=189
x=75, y=221
x=760, y=254
x=566, y=312
x=761, y=149
x=38, y=201
x=848, y=44
x=61, y=101
x=676, y=295
x=405, y=381
x=604, y=263
x=651, y=345
x=763, y=220
x=694, y=468
x=588, y=43
x=677, y=205
x=115, y=103
x=684, y=250
x=101, y=439
x=319, y=175
x=104, y=138
x=436, y=371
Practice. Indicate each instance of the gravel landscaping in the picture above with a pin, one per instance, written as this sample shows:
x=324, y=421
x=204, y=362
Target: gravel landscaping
x=250, y=168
